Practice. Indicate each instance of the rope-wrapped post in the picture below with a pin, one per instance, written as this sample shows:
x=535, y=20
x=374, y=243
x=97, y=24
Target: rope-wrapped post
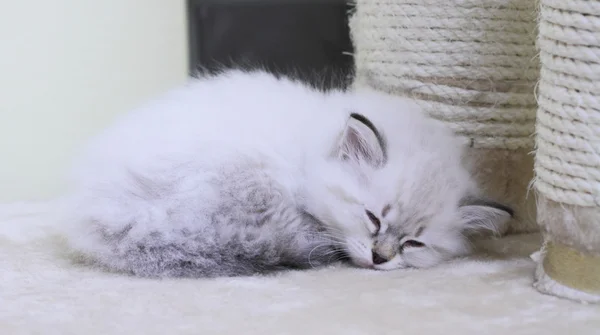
x=469, y=63
x=567, y=163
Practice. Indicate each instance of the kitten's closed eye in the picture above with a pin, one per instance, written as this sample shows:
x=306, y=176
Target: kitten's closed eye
x=412, y=244
x=374, y=220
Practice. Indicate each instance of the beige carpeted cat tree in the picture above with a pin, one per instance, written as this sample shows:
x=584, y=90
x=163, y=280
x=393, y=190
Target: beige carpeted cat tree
x=474, y=64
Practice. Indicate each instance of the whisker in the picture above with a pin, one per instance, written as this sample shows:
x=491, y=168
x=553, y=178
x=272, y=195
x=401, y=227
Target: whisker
x=339, y=258
x=313, y=249
x=331, y=252
x=331, y=239
x=333, y=242
x=336, y=256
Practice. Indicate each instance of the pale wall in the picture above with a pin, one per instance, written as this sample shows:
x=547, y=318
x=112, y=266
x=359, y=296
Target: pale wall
x=67, y=67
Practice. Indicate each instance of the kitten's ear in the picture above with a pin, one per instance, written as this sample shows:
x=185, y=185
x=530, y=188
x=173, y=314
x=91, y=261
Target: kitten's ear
x=361, y=142
x=484, y=217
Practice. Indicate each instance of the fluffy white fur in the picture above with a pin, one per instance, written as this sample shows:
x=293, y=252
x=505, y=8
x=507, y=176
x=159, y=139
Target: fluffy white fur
x=268, y=173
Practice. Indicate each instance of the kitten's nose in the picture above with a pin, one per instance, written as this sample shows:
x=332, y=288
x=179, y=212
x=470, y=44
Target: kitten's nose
x=377, y=259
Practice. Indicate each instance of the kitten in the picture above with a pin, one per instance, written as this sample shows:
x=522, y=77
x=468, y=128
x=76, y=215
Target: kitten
x=244, y=173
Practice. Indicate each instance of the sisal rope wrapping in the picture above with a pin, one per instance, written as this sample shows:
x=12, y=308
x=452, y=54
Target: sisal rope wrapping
x=568, y=121
x=470, y=63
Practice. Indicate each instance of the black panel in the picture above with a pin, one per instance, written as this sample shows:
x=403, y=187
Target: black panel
x=305, y=39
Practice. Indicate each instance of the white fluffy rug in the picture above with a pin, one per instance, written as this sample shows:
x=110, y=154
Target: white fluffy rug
x=42, y=292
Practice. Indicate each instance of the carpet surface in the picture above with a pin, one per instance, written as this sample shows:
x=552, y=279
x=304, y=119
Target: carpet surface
x=43, y=292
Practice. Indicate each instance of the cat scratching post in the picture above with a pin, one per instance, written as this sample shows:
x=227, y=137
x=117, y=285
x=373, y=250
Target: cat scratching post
x=470, y=63
x=567, y=164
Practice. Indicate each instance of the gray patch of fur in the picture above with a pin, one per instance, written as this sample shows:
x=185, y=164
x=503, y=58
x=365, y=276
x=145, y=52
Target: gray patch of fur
x=255, y=229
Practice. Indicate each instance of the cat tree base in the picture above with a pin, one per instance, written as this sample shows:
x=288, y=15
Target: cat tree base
x=569, y=262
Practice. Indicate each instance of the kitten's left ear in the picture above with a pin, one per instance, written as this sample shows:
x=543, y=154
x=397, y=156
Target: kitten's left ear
x=361, y=142
x=484, y=217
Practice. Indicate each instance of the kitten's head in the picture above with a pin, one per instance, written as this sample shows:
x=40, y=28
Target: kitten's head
x=395, y=192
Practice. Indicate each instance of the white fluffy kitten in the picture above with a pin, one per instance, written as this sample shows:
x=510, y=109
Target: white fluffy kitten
x=245, y=173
